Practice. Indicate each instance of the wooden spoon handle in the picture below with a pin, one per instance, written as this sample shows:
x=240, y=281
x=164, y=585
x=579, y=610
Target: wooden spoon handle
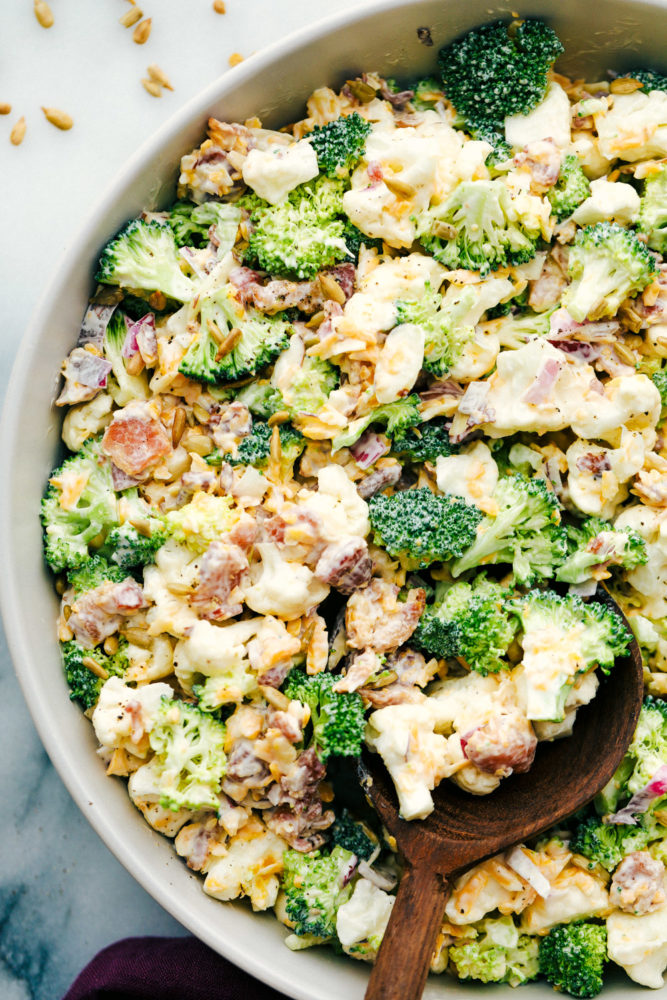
x=404, y=958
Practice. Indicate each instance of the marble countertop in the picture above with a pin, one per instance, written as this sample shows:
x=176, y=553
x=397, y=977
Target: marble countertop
x=63, y=896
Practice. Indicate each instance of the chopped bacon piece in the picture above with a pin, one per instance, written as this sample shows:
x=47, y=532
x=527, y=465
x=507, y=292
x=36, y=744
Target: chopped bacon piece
x=220, y=572
x=504, y=745
x=379, y=480
x=99, y=613
x=594, y=462
x=136, y=439
x=638, y=884
x=345, y=565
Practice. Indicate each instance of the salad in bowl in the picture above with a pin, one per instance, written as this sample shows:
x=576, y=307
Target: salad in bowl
x=356, y=429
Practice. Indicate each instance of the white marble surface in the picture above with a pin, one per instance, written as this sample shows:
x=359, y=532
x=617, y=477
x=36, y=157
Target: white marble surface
x=62, y=894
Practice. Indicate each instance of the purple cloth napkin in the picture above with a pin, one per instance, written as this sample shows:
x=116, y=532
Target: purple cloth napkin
x=155, y=968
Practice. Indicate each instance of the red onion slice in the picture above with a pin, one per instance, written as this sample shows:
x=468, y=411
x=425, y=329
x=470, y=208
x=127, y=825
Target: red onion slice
x=369, y=448
x=641, y=801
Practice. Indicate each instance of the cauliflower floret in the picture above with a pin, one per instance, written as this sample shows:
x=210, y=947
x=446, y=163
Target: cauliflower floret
x=566, y=397
x=635, y=128
x=250, y=866
x=124, y=716
x=145, y=789
x=218, y=652
x=464, y=703
x=597, y=476
x=472, y=474
x=650, y=580
x=416, y=757
x=274, y=172
x=575, y=895
x=337, y=504
x=364, y=918
x=86, y=420
x=639, y=945
x=488, y=886
x=584, y=145
x=399, y=362
x=549, y=120
x=281, y=588
x=175, y=566
x=608, y=200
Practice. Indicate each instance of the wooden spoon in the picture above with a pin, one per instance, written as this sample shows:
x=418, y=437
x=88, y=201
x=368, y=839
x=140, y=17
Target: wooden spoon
x=464, y=829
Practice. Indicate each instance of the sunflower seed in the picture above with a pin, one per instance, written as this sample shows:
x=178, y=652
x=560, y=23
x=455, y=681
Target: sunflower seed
x=58, y=118
x=159, y=75
x=142, y=31
x=131, y=17
x=17, y=134
x=43, y=13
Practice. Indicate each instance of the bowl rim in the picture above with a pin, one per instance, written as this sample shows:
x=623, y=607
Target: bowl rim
x=241, y=954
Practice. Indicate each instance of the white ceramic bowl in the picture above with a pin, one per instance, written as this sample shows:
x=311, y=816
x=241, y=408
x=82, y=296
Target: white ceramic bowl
x=274, y=85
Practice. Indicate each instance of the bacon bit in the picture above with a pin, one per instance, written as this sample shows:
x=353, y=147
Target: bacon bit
x=135, y=439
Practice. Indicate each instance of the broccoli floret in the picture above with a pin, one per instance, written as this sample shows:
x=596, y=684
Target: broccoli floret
x=354, y=836
x=499, y=954
x=262, y=339
x=69, y=529
x=93, y=573
x=652, y=218
x=355, y=239
x=191, y=223
x=659, y=380
x=337, y=719
x=468, y=620
x=571, y=188
x=395, y=417
x=525, y=532
x=128, y=387
x=255, y=448
x=449, y=321
x=145, y=255
x=340, y=144
x=310, y=386
x=514, y=331
x=646, y=753
x=606, y=264
x=302, y=234
x=420, y=528
x=189, y=761
x=128, y=547
x=572, y=958
x=314, y=887
x=649, y=79
x=423, y=444
x=488, y=229
x=426, y=94
x=499, y=69
x=485, y=131
x=261, y=398
x=201, y=521
x=84, y=684
x=596, y=543
x=607, y=844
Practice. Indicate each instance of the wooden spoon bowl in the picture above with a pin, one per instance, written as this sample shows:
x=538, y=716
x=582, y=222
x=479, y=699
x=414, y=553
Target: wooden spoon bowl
x=464, y=829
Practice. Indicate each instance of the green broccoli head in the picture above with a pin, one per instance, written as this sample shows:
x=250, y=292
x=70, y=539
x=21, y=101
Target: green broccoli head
x=337, y=719
x=426, y=94
x=469, y=621
x=340, y=144
x=525, y=532
x=355, y=239
x=648, y=750
x=499, y=69
x=571, y=188
x=315, y=885
x=653, y=210
x=68, y=530
x=144, y=255
x=396, y=417
x=189, y=762
x=255, y=448
x=499, y=954
x=572, y=958
x=261, y=398
x=260, y=340
x=515, y=330
x=128, y=547
x=649, y=79
x=606, y=264
x=449, y=321
x=85, y=684
x=480, y=228
x=191, y=224
x=423, y=443
x=301, y=235
x=354, y=836
x=595, y=543
x=485, y=131
x=659, y=380
x=93, y=573
x=311, y=384
x=420, y=528
x=607, y=844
